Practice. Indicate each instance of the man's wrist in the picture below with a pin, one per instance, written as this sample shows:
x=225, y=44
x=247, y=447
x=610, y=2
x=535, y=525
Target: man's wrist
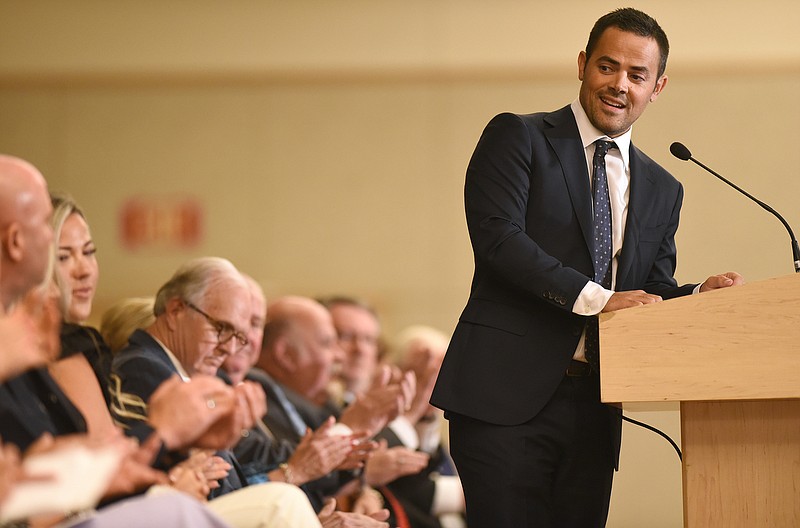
x=288, y=474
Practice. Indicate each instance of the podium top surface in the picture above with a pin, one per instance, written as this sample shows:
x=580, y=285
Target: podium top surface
x=740, y=343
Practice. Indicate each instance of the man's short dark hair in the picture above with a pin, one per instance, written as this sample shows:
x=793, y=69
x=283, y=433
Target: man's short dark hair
x=632, y=21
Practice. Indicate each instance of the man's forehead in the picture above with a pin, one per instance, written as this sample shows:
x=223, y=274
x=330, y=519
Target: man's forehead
x=616, y=45
x=355, y=318
x=228, y=299
x=259, y=310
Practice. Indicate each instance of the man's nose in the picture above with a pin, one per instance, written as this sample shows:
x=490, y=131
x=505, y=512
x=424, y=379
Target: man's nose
x=228, y=348
x=621, y=82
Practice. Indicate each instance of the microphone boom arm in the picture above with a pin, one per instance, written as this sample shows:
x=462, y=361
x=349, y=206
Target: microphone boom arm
x=795, y=247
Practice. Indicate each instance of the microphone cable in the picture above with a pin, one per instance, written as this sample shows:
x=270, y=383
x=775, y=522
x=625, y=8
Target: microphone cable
x=657, y=431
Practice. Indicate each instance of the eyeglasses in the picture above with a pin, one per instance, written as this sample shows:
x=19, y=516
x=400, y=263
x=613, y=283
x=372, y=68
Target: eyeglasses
x=225, y=331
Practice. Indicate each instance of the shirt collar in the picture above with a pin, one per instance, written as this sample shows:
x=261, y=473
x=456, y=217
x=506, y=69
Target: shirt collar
x=174, y=360
x=589, y=134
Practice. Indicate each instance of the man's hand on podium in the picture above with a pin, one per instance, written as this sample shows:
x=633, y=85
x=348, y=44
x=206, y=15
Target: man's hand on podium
x=630, y=299
x=725, y=280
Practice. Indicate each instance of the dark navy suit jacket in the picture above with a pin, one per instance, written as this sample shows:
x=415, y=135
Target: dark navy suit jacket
x=136, y=372
x=32, y=404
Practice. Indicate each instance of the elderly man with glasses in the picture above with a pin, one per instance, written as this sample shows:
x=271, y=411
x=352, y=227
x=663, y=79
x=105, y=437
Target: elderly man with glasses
x=202, y=314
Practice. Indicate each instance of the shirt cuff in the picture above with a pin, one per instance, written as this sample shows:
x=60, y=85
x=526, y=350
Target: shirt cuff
x=405, y=432
x=429, y=434
x=340, y=429
x=448, y=496
x=592, y=299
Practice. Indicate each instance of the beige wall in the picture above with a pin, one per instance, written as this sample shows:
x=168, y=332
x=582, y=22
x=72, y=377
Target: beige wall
x=327, y=142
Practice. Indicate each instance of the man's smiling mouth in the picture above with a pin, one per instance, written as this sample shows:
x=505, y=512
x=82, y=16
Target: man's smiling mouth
x=611, y=103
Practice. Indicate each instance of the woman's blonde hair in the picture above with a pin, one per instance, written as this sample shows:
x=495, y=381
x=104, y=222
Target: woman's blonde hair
x=123, y=317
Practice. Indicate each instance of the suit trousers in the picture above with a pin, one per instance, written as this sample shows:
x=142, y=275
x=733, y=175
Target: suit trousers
x=554, y=471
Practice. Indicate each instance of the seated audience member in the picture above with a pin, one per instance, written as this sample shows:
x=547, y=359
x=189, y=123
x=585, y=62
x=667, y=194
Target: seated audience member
x=311, y=461
x=82, y=370
x=262, y=455
x=236, y=366
x=123, y=317
x=25, y=261
x=185, y=340
x=298, y=352
x=27, y=340
x=358, y=332
x=408, y=468
x=437, y=489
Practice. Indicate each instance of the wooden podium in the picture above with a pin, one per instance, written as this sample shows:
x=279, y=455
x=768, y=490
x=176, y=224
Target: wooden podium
x=732, y=358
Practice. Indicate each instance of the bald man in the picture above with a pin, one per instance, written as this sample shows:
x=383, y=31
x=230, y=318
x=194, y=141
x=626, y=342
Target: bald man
x=25, y=232
x=299, y=351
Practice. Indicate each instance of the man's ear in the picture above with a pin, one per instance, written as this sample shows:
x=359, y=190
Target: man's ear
x=581, y=64
x=660, y=84
x=283, y=354
x=172, y=309
x=13, y=242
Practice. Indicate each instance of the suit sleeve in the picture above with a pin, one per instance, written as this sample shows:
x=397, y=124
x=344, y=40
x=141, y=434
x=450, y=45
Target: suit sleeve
x=496, y=196
x=133, y=381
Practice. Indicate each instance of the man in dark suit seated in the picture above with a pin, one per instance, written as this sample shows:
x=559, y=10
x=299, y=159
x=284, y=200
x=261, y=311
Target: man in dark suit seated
x=298, y=355
x=262, y=454
x=413, y=466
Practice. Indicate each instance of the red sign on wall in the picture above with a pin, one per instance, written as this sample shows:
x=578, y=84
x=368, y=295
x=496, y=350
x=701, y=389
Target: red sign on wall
x=161, y=222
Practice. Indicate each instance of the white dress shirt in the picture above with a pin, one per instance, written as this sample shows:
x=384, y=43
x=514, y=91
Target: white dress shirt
x=594, y=297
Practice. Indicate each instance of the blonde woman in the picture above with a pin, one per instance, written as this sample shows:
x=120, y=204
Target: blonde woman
x=83, y=367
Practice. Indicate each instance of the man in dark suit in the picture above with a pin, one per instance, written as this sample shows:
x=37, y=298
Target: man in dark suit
x=297, y=356
x=532, y=443
x=186, y=340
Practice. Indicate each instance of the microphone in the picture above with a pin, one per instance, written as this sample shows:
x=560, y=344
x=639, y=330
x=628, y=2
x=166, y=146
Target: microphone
x=680, y=151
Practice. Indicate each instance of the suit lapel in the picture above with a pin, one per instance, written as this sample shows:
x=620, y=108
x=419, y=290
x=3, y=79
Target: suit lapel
x=565, y=140
x=640, y=201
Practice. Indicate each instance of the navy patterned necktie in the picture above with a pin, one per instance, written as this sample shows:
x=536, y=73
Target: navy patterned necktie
x=603, y=248
x=602, y=215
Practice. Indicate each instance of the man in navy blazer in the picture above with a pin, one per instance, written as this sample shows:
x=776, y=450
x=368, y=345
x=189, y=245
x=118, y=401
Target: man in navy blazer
x=532, y=443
